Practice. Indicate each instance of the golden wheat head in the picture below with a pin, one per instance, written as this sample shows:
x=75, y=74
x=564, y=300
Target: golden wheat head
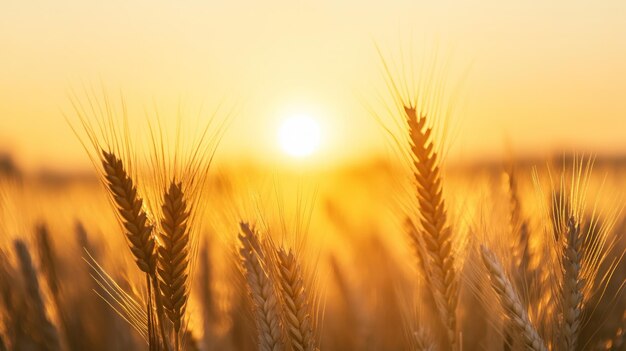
x=174, y=254
x=295, y=297
x=262, y=290
x=130, y=208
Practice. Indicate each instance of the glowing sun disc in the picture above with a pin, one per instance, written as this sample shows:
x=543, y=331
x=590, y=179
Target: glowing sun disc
x=299, y=136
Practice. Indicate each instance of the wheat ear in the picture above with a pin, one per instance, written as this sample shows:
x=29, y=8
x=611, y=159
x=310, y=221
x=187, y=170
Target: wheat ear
x=173, y=261
x=511, y=303
x=519, y=227
x=45, y=333
x=48, y=261
x=262, y=291
x=138, y=231
x=295, y=298
x=573, y=285
x=130, y=208
x=436, y=234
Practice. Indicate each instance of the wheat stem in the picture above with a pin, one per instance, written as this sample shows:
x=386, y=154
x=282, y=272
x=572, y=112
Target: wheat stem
x=135, y=221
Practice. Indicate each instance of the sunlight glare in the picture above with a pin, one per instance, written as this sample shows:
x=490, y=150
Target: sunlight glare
x=299, y=136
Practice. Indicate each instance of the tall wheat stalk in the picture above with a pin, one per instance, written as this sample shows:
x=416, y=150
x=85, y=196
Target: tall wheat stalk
x=139, y=233
x=437, y=237
x=421, y=106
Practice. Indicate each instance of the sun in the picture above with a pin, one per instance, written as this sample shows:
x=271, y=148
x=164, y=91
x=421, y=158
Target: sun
x=299, y=136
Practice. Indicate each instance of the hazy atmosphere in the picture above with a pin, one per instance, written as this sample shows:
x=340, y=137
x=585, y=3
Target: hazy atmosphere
x=533, y=74
x=312, y=175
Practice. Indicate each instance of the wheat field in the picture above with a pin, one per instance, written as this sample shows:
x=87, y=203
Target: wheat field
x=162, y=251
x=312, y=175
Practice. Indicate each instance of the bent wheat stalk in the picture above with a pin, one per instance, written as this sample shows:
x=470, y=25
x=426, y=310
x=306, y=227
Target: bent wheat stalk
x=511, y=303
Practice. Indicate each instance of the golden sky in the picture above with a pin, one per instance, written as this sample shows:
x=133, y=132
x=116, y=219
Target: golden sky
x=543, y=75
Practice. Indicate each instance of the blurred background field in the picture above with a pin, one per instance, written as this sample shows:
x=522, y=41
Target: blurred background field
x=353, y=222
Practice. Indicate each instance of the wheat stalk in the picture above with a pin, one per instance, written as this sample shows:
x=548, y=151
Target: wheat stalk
x=262, y=291
x=295, y=298
x=207, y=298
x=436, y=236
x=510, y=302
x=138, y=232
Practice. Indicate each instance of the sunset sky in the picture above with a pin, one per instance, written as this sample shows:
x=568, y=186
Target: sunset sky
x=541, y=75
